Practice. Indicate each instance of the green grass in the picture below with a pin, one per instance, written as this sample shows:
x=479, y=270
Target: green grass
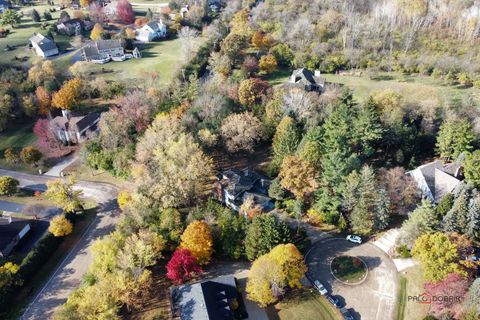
x=414, y=286
x=302, y=304
x=27, y=197
x=402, y=298
x=348, y=269
x=18, y=137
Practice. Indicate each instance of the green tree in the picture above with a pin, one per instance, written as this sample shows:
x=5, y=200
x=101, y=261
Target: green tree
x=444, y=205
x=471, y=167
x=368, y=128
x=310, y=148
x=285, y=140
x=472, y=298
x=30, y=155
x=283, y=54
x=382, y=212
x=421, y=221
x=231, y=229
x=63, y=195
x=264, y=233
x=438, y=256
x=35, y=15
x=276, y=191
x=456, y=217
x=8, y=186
x=455, y=137
x=170, y=225
x=473, y=219
x=10, y=17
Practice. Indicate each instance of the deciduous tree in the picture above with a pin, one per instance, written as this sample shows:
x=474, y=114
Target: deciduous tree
x=8, y=186
x=60, y=226
x=268, y=64
x=63, y=194
x=43, y=100
x=197, y=238
x=68, y=95
x=453, y=285
x=97, y=32
x=46, y=138
x=241, y=132
x=298, y=176
x=252, y=91
x=10, y=17
x=125, y=12
x=182, y=266
x=30, y=155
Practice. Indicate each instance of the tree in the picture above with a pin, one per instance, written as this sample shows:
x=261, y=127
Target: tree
x=188, y=39
x=438, y=256
x=240, y=24
x=268, y=64
x=368, y=128
x=10, y=17
x=141, y=250
x=149, y=14
x=271, y=273
x=454, y=137
x=473, y=219
x=30, y=155
x=421, y=221
x=250, y=65
x=252, y=91
x=285, y=140
x=298, y=176
x=456, y=218
x=231, y=229
x=7, y=103
x=264, y=233
x=47, y=15
x=123, y=199
x=241, y=132
x=197, y=238
x=35, y=15
x=97, y=32
x=8, y=272
x=182, y=266
x=47, y=139
x=60, y=226
x=171, y=225
x=473, y=296
x=68, y=95
x=471, y=167
x=276, y=191
x=453, y=285
x=125, y=12
x=171, y=168
x=444, y=205
x=283, y=54
x=63, y=194
x=8, y=186
x=382, y=211
x=10, y=156
x=43, y=100
x=29, y=106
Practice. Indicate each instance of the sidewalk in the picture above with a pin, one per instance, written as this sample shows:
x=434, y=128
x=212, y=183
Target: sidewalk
x=62, y=165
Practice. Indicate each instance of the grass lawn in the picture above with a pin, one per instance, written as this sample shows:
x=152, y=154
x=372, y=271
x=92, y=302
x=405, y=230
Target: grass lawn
x=81, y=172
x=402, y=298
x=414, y=286
x=27, y=197
x=303, y=304
x=348, y=269
x=30, y=289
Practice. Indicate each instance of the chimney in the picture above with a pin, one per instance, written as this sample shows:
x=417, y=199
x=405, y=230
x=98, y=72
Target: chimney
x=66, y=114
x=317, y=73
x=9, y=219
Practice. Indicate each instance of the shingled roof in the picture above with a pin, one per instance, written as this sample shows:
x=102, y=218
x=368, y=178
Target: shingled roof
x=44, y=43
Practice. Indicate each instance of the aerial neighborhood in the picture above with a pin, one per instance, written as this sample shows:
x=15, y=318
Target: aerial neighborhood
x=240, y=159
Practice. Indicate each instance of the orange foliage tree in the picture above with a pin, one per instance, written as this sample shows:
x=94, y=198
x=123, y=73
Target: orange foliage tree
x=68, y=95
x=197, y=238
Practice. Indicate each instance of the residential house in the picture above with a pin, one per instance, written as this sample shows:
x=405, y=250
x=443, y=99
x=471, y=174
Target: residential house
x=103, y=49
x=152, y=31
x=213, y=299
x=73, y=129
x=307, y=80
x=235, y=186
x=74, y=27
x=43, y=46
x=184, y=10
x=436, y=179
x=11, y=232
x=4, y=5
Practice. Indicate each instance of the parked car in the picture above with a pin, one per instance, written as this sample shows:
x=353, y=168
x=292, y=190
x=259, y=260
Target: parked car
x=354, y=239
x=320, y=287
x=333, y=300
x=346, y=314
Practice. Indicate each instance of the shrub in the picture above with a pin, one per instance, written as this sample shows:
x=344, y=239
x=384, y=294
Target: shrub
x=30, y=155
x=8, y=186
x=403, y=251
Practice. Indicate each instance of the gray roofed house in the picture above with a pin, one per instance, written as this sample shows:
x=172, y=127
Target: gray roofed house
x=74, y=26
x=235, y=186
x=307, y=80
x=43, y=46
x=103, y=49
x=11, y=232
x=152, y=31
x=213, y=299
x=73, y=129
x=436, y=179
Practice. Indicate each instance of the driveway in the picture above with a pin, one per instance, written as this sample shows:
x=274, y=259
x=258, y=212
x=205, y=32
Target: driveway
x=375, y=298
x=68, y=275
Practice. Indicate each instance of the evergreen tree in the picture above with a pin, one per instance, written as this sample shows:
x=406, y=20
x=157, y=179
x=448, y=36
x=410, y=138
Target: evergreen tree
x=35, y=16
x=455, y=137
x=149, y=15
x=382, y=214
x=309, y=148
x=264, y=233
x=368, y=128
x=473, y=219
x=285, y=140
x=444, y=205
x=456, y=218
x=47, y=16
x=362, y=209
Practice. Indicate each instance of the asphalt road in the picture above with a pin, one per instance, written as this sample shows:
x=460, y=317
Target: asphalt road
x=68, y=275
x=373, y=299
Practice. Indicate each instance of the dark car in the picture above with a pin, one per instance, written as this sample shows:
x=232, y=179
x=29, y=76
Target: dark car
x=334, y=301
x=346, y=314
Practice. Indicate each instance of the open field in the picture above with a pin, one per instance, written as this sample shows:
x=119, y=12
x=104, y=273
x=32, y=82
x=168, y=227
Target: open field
x=414, y=286
x=303, y=304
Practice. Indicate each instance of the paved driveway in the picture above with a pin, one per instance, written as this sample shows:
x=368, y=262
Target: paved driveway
x=375, y=298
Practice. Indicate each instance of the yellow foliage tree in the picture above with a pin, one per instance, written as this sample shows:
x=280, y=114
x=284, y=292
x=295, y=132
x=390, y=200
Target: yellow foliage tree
x=68, y=95
x=130, y=33
x=97, y=31
x=298, y=176
x=283, y=266
x=124, y=197
x=268, y=64
x=197, y=238
x=60, y=226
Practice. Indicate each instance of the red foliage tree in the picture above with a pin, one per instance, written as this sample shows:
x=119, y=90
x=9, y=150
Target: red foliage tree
x=454, y=286
x=182, y=266
x=47, y=141
x=125, y=12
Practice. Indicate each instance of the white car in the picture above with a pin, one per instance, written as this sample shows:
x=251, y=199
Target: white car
x=354, y=239
x=320, y=287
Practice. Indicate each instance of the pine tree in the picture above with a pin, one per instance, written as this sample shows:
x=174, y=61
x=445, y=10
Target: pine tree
x=473, y=218
x=368, y=128
x=456, y=218
x=361, y=216
x=285, y=140
x=382, y=214
x=35, y=16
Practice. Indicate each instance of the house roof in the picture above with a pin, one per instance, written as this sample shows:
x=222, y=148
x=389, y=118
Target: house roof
x=90, y=51
x=238, y=181
x=9, y=230
x=44, y=43
x=87, y=121
x=72, y=21
x=306, y=76
x=78, y=123
x=206, y=300
x=108, y=44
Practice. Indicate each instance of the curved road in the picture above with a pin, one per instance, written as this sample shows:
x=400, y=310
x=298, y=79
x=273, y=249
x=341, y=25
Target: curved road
x=68, y=275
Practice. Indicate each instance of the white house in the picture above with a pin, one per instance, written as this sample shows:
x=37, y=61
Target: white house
x=43, y=46
x=152, y=31
x=103, y=49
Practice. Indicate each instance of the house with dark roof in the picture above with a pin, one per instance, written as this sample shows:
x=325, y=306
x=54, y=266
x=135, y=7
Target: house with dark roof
x=73, y=129
x=153, y=30
x=436, y=179
x=213, y=299
x=307, y=80
x=4, y=5
x=11, y=232
x=235, y=186
x=43, y=46
x=74, y=26
x=103, y=49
